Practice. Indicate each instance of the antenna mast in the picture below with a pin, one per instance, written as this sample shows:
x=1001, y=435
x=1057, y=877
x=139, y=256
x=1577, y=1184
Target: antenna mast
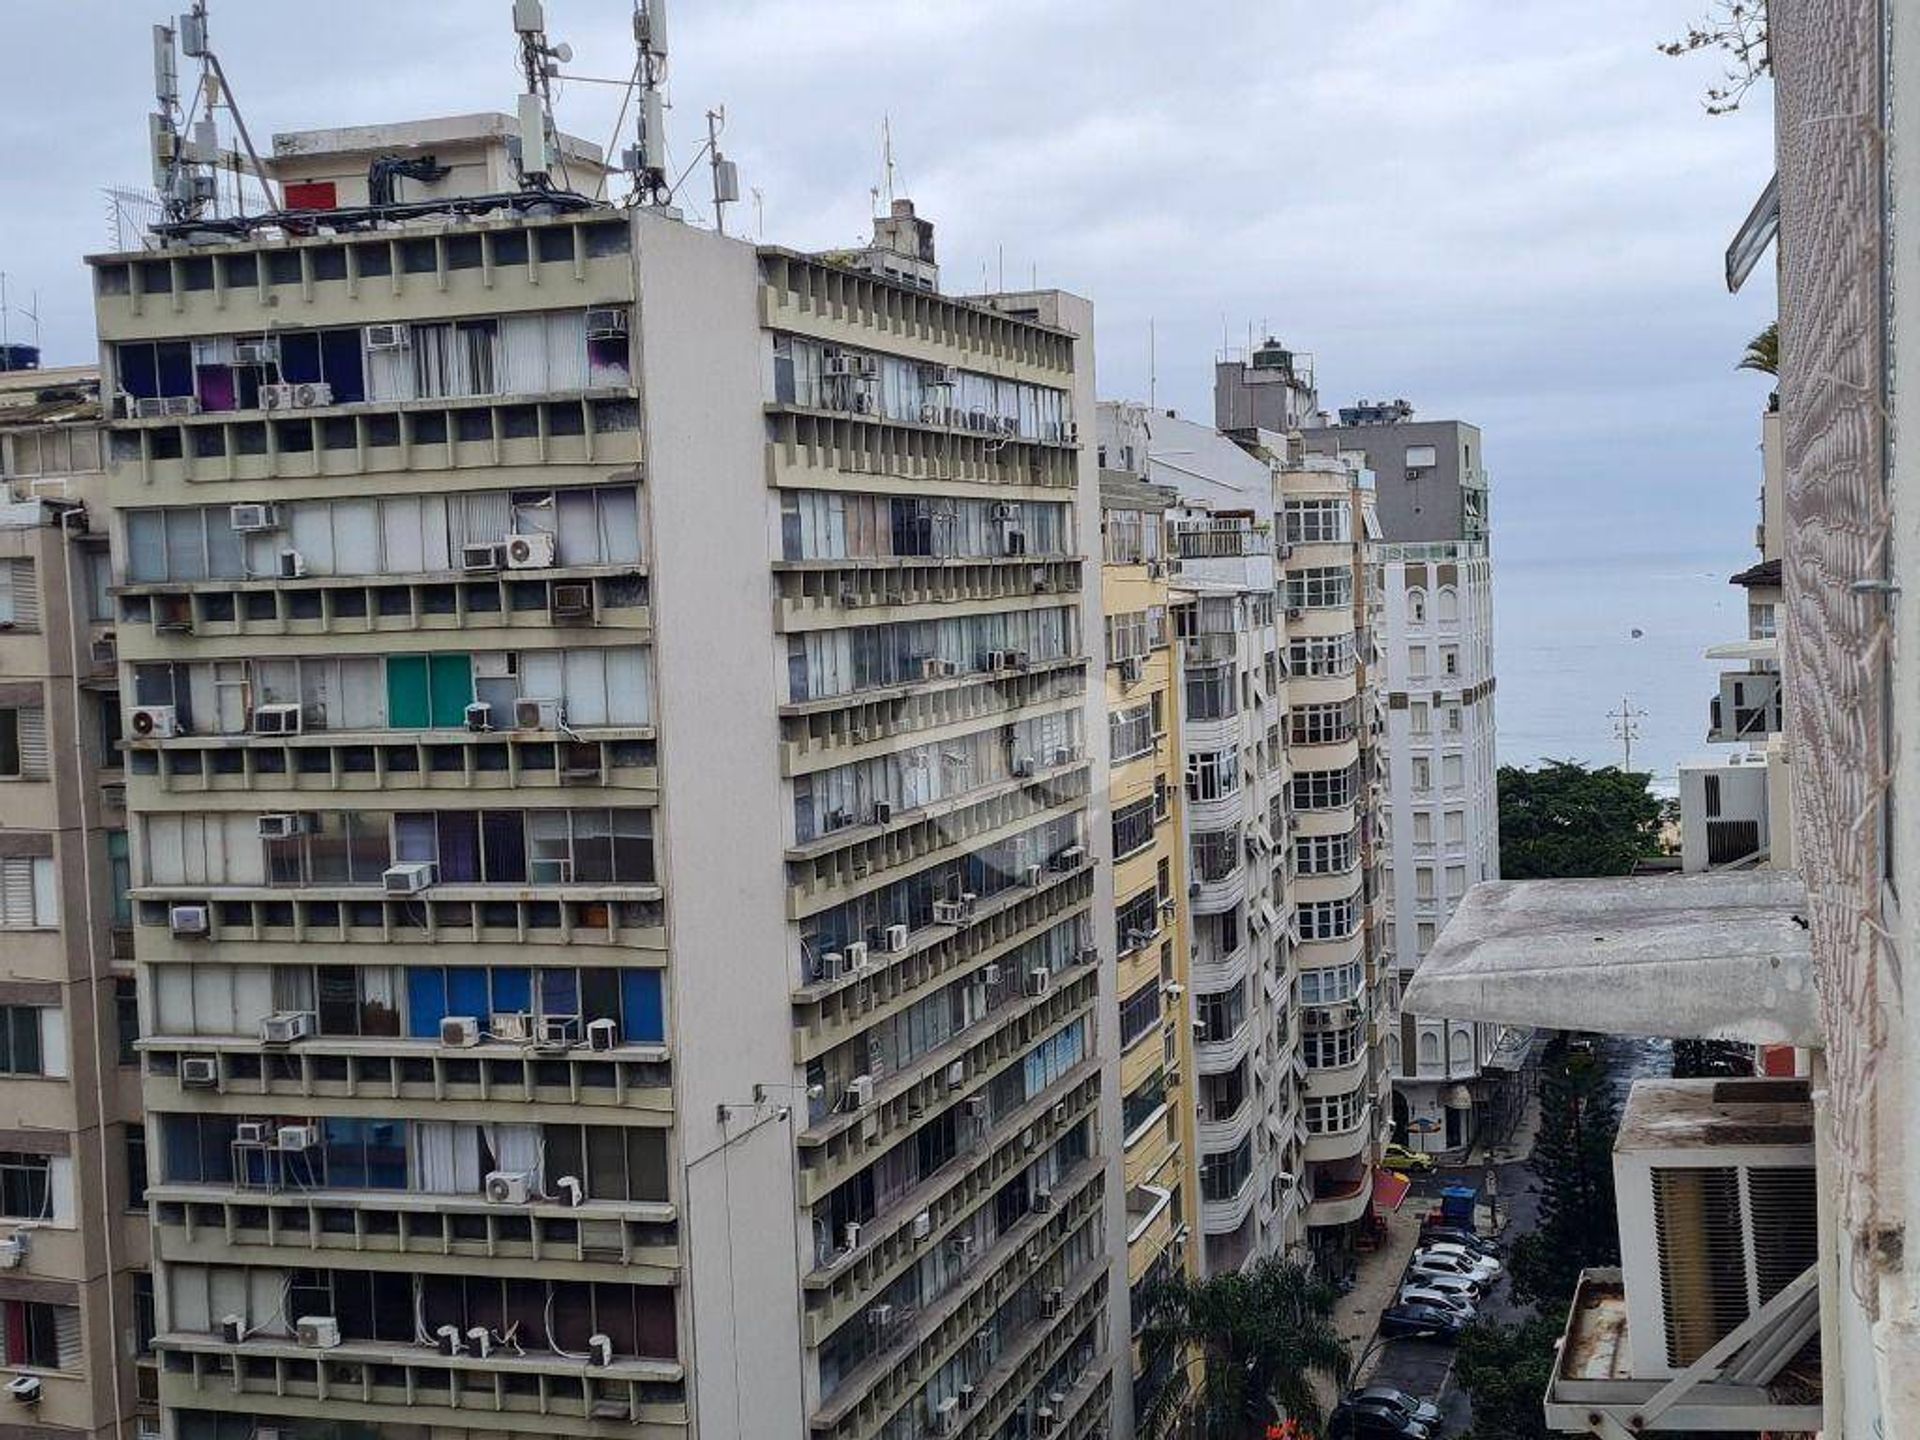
x=540, y=61
x=183, y=164
x=726, y=178
x=886, y=154
x=1626, y=729
x=646, y=159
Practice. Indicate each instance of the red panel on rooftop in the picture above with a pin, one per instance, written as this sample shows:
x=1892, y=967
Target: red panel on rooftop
x=312, y=195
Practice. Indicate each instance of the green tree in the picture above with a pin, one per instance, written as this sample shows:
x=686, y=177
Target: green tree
x=1763, y=352
x=1254, y=1345
x=1573, y=1161
x=1564, y=819
x=1504, y=1370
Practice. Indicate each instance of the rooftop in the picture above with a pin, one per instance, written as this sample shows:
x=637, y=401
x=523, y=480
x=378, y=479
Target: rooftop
x=1701, y=1114
x=1767, y=572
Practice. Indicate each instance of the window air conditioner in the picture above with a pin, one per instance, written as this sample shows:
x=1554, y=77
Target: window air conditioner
x=856, y=955
x=1039, y=982
x=154, y=722
x=459, y=1032
x=286, y=1026
x=602, y=1034
x=831, y=967
x=570, y=602
x=199, y=1072
x=881, y=814
x=530, y=551
x=106, y=649
x=410, y=877
x=536, y=714
x=389, y=337
x=1023, y=767
x=251, y=519
x=990, y=974
x=190, y=922
x=509, y=1187
x=1070, y=858
x=480, y=717
x=949, y=912
x=556, y=1032
x=173, y=614
x=480, y=559
x=512, y=1026
x=316, y=1332
x=860, y=1092
x=293, y=565
x=149, y=408
x=850, y=1236
x=251, y=1132
x=977, y=1107
x=296, y=1137
x=1042, y=1200
x=256, y=352
x=896, y=941
x=957, y=1075
x=276, y=719
x=606, y=324
x=1016, y=541
x=281, y=826
x=182, y=405
x=25, y=1389
x=1031, y=876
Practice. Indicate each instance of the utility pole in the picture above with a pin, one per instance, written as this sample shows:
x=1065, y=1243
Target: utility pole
x=1626, y=729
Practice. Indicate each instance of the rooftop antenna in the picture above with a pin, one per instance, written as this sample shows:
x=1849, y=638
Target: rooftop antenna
x=1153, y=368
x=540, y=61
x=726, y=178
x=759, y=214
x=646, y=159
x=1626, y=729
x=183, y=162
x=886, y=154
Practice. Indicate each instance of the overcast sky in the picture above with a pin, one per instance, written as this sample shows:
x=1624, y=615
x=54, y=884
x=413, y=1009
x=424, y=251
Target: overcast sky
x=1511, y=213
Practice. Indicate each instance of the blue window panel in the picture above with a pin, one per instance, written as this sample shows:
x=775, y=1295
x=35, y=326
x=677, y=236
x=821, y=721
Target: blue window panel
x=644, y=1011
x=559, y=992
x=512, y=991
x=386, y=1154
x=426, y=1002
x=466, y=990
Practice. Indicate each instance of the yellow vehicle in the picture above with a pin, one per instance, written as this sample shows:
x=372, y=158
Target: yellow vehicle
x=1405, y=1161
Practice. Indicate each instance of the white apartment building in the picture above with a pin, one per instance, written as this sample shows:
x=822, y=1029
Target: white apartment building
x=623, y=945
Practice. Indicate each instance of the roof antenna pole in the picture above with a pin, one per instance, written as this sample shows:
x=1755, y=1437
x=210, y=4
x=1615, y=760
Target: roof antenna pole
x=646, y=160
x=540, y=61
x=726, y=178
x=886, y=154
x=1153, y=368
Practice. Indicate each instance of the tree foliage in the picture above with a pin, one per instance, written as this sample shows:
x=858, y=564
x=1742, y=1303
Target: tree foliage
x=1254, y=1342
x=1737, y=30
x=1564, y=819
x=1573, y=1161
x=1504, y=1370
x=1763, y=351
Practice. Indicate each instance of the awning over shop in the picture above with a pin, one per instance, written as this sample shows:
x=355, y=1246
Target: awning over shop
x=1390, y=1190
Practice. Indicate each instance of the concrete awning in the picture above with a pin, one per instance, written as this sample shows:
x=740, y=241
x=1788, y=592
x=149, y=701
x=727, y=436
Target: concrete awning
x=1768, y=649
x=1720, y=956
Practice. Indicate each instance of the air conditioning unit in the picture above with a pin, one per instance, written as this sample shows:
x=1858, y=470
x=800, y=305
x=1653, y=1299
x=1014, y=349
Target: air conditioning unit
x=511, y=1026
x=282, y=826
x=1023, y=767
x=189, y=922
x=831, y=967
x=556, y=1032
x=277, y=397
x=881, y=814
x=150, y=407
x=923, y=1225
x=459, y=1032
x=978, y=1107
x=389, y=337
x=25, y=1389
x=284, y=1027
x=536, y=714
x=896, y=941
x=256, y=352
x=316, y=1332
x=277, y=719
x=296, y=1137
x=251, y=1132
x=1016, y=542
x=509, y=1187
x=106, y=649
x=310, y=393
x=13, y=1250
x=1072, y=857
x=990, y=974
x=252, y=519
x=199, y=1072
x=602, y=1034
x=949, y=912
x=1717, y=1192
x=1060, y=1112
x=608, y=324
x=850, y=1236
x=1042, y=1200
x=1039, y=981
x=860, y=1092
x=530, y=551
x=410, y=877
x=293, y=565
x=946, y=1416
x=479, y=717
x=480, y=559
x=1051, y=1301
x=934, y=668
x=570, y=602
x=182, y=405
x=154, y=722
x=1031, y=876
x=856, y=955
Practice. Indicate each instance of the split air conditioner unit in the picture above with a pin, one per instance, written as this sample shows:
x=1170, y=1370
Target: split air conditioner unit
x=536, y=714
x=459, y=1032
x=316, y=1332
x=410, y=877
x=856, y=955
x=199, y=1072
x=1042, y=1200
x=1070, y=858
x=990, y=974
x=25, y=1389
x=957, y=1075
x=13, y=1250
x=600, y=1350
x=154, y=722
x=1031, y=876
x=252, y=519
x=831, y=967
x=530, y=551
x=850, y=1236
x=1039, y=982
x=277, y=719
x=896, y=941
x=190, y=922
x=949, y=912
x=860, y=1092
x=509, y=1187
x=286, y=1026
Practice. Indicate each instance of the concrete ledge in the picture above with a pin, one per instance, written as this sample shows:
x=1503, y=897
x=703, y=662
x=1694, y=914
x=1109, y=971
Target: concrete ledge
x=1715, y=956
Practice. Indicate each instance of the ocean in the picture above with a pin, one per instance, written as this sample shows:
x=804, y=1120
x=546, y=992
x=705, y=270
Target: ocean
x=1574, y=636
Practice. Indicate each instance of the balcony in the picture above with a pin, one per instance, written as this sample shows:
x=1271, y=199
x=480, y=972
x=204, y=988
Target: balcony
x=1219, y=1131
x=833, y=729
x=1216, y=1057
x=1212, y=896
x=827, y=450
x=1226, y=1214
x=822, y=597
x=1344, y=1144
x=1339, y=1202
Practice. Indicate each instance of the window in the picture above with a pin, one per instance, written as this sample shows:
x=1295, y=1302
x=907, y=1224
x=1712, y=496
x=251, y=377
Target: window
x=1417, y=662
x=1216, y=855
x=1331, y=1049
x=1133, y=635
x=1333, y=1114
x=1321, y=724
x=126, y=1017
x=1452, y=713
x=26, y=1186
x=120, y=879
x=1131, y=537
x=45, y=1337
x=1323, y=854
x=1422, y=457
x=1417, y=606
x=1139, y=1013
x=1224, y=1176
x=23, y=743
x=1137, y=921
x=1143, y=1103
x=1422, y=773
x=1333, y=985
x=27, y=898
x=136, y=1153
x=1133, y=827
x=1325, y=789
x=1323, y=588
x=20, y=1035
x=1213, y=775
x=1318, y=522
x=1328, y=919
x=1221, y=1014
x=1420, y=717
x=1321, y=655
x=1449, y=660
x=1130, y=733
x=1210, y=693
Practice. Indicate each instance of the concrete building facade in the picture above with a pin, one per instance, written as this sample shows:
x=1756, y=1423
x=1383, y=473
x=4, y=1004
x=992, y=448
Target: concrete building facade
x=622, y=934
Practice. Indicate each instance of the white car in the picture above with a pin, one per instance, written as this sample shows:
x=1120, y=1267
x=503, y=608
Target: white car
x=1424, y=1263
x=1458, y=1285
x=1416, y=1292
x=1447, y=1247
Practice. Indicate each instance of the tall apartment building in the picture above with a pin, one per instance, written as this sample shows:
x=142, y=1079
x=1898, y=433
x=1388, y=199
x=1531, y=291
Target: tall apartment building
x=1441, y=831
x=1146, y=802
x=616, y=861
x=76, y=1299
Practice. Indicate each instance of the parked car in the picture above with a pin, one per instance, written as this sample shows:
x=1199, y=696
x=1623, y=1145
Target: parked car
x=1405, y=1321
x=1454, y=1235
x=1386, y=1397
x=1407, y=1162
x=1416, y=1293
x=1447, y=1247
x=1426, y=1262
x=1352, y=1422
x=1459, y=1285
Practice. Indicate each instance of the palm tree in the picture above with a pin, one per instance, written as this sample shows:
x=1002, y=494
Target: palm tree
x=1253, y=1343
x=1763, y=351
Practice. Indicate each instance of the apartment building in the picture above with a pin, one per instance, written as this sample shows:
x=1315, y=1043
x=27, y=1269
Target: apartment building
x=76, y=1298
x=622, y=940
x=1147, y=802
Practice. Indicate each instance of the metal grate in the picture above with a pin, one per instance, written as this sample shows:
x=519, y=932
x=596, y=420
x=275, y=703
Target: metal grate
x=1703, y=1267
